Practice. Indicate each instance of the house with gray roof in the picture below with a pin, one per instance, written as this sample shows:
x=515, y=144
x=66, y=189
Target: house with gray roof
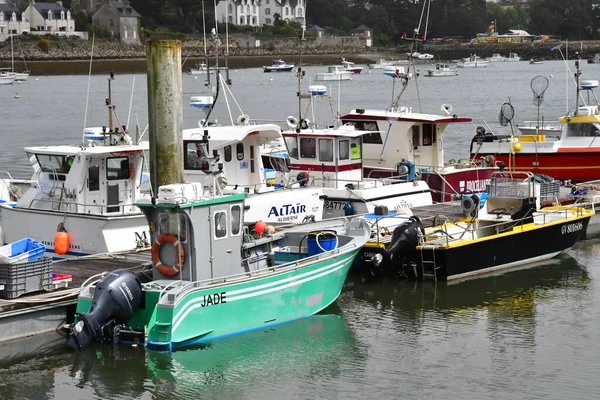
x=315, y=31
x=367, y=33
x=12, y=21
x=49, y=17
x=120, y=19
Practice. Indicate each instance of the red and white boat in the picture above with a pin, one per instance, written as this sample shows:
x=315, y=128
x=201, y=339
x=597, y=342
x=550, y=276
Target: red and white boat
x=410, y=143
x=350, y=66
x=571, y=154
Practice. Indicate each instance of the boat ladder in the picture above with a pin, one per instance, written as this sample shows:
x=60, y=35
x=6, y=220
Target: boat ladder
x=429, y=267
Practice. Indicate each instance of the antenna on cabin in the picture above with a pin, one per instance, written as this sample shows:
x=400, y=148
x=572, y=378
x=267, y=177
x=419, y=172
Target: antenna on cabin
x=217, y=43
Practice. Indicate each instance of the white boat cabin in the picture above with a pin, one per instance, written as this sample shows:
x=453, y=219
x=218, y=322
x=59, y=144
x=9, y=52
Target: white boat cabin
x=96, y=180
x=238, y=151
x=402, y=136
x=332, y=156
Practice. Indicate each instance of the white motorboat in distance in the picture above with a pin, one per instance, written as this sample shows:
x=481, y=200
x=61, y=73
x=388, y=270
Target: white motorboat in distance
x=442, y=70
x=473, y=61
x=198, y=69
x=6, y=77
x=278, y=66
x=334, y=73
x=349, y=66
x=513, y=57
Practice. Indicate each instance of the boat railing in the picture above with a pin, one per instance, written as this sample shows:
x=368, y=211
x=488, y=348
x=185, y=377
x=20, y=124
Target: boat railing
x=101, y=207
x=91, y=282
x=168, y=296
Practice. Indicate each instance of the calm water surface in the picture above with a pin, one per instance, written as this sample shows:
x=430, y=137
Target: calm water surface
x=528, y=334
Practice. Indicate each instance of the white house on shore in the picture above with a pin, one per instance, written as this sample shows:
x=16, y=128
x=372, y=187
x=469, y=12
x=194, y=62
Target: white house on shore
x=239, y=12
x=50, y=18
x=12, y=21
x=288, y=10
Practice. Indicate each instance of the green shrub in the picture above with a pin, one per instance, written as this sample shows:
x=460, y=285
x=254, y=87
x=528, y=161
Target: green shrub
x=44, y=45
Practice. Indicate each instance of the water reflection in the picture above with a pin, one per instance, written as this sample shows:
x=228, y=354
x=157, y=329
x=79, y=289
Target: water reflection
x=483, y=328
x=275, y=362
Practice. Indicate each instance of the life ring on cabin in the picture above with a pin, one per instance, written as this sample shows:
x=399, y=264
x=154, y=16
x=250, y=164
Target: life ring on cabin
x=167, y=270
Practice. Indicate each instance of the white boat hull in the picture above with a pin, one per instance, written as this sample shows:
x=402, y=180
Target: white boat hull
x=478, y=64
x=21, y=76
x=89, y=234
x=438, y=73
x=7, y=80
x=332, y=77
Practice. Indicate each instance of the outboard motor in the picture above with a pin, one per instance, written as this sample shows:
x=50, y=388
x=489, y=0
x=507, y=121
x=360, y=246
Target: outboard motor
x=405, y=239
x=116, y=298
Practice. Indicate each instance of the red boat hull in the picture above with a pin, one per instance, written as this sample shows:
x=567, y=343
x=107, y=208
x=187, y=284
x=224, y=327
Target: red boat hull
x=576, y=165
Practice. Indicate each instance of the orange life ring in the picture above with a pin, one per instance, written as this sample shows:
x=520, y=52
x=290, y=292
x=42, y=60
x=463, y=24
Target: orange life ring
x=168, y=270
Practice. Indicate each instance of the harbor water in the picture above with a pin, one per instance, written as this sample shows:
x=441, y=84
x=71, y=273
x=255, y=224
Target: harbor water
x=524, y=334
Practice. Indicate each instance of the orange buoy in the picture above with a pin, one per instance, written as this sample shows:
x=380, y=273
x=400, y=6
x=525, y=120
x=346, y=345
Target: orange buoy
x=62, y=241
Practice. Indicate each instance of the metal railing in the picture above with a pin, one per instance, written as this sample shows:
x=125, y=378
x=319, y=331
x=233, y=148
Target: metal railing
x=72, y=204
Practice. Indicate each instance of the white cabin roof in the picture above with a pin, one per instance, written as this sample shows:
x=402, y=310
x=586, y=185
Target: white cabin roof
x=68, y=150
x=221, y=136
x=403, y=116
x=347, y=131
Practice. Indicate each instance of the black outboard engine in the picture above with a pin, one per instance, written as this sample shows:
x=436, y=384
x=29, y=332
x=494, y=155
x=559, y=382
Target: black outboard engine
x=405, y=239
x=116, y=298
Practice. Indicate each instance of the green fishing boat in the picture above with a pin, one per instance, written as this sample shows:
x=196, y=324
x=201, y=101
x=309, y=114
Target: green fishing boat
x=212, y=277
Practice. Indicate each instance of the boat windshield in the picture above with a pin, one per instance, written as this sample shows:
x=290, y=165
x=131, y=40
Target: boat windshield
x=583, y=130
x=53, y=163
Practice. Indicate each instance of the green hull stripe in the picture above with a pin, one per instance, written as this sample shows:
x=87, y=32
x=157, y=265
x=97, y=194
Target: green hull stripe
x=263, y=286
x=306, y=277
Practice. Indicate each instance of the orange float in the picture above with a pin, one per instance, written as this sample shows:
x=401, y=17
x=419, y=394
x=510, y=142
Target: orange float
x=62, y=242
x=167, y=270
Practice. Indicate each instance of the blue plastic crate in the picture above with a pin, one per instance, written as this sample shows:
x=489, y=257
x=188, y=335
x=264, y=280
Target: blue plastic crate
x=24, y=250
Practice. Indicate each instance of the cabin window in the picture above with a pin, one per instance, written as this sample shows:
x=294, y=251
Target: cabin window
x=582, y=130
x=239, y=150
x=291, y=142
x=326, y=150
x=344, y=150
x=58, y=166
x=117, y=168
x=194, y=156
x=429, y=135
x=416, y=136
x=252, y=159
x=370, y=138
x=173, y=224
x=227, y=151
x=94, y=178
x=236, y=220
x=220, y=218
x=308, y=148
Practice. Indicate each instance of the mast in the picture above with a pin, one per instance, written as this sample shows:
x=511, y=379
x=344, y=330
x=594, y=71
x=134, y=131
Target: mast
x=577, y=74
x=12, y=58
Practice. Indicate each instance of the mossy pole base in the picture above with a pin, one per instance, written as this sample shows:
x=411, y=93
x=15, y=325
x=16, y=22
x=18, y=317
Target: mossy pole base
x=165, y=113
